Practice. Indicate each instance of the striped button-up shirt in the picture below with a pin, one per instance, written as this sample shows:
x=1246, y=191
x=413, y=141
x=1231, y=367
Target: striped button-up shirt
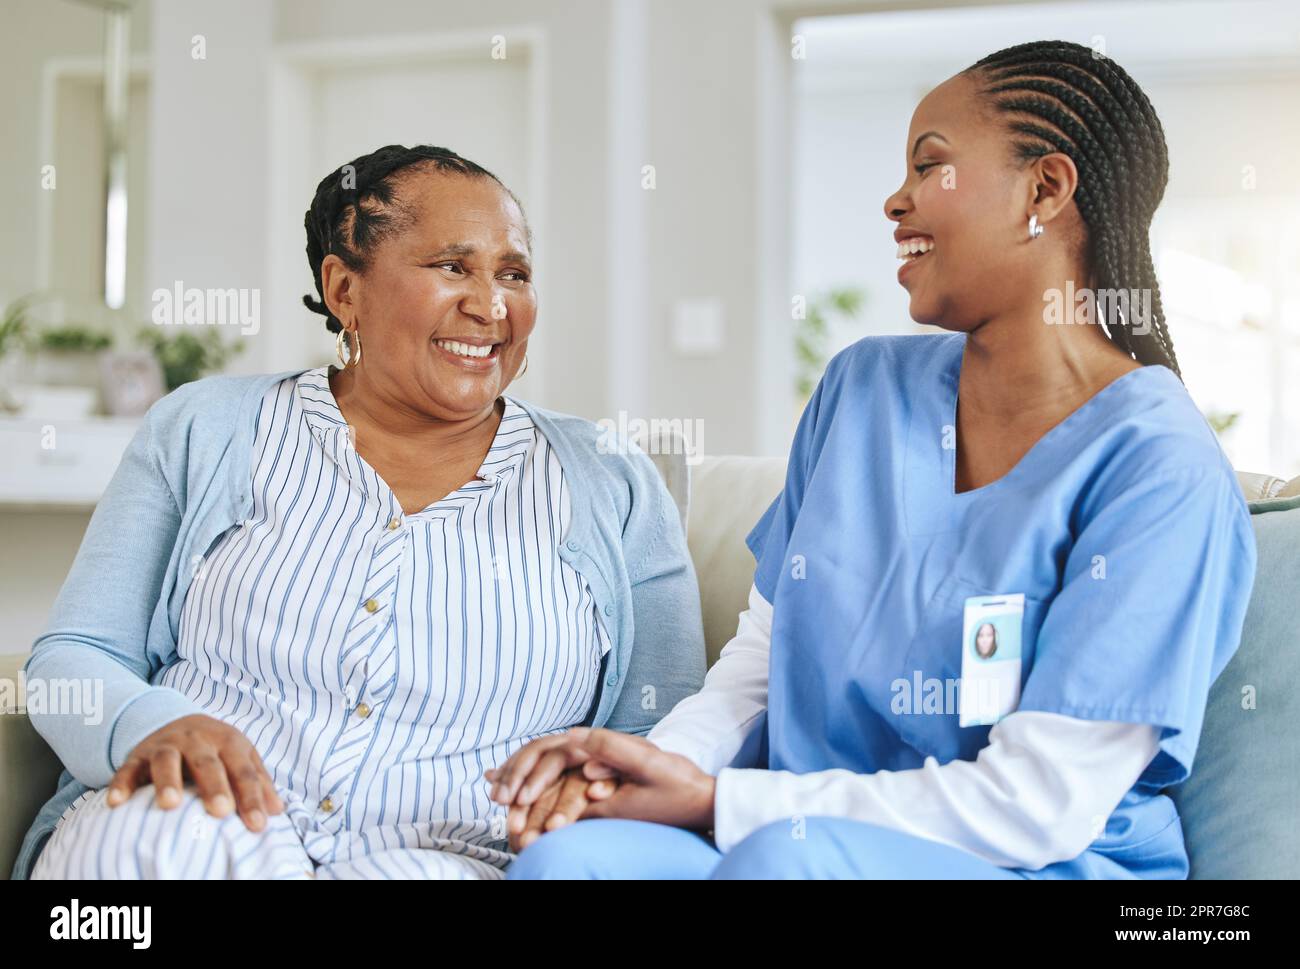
x=380, y=661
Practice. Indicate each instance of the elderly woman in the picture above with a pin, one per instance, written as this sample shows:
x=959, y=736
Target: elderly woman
x=322, y=603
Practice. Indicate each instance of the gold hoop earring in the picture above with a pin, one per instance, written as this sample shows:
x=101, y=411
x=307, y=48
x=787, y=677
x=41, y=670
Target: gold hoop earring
x=354, y=358
x=524, y=369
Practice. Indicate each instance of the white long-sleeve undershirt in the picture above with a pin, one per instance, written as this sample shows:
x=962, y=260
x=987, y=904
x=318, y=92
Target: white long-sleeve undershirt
x=1039, y=793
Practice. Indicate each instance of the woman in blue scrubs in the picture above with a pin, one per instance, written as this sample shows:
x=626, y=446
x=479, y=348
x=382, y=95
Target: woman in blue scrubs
x=1039, y=469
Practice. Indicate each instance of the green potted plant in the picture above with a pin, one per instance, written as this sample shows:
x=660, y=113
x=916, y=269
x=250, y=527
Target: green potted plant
x=13, y=327
x=13, y=340
x=68, y=355
x=51, y=346
x=186, y=356
x=812, y=335
x=1222, y=421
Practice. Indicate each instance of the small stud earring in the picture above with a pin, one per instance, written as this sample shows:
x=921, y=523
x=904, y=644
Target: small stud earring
x=1035, y=230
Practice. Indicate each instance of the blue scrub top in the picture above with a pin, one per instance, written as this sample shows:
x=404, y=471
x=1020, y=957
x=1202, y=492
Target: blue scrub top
x=1123, y=527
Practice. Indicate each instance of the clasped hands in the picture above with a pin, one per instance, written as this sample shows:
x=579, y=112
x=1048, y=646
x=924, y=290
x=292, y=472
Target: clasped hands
x=550, y=782
x=596, y=773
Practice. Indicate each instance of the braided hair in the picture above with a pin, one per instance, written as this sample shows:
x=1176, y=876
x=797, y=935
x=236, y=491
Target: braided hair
x=356, y=206
x=1063, y=97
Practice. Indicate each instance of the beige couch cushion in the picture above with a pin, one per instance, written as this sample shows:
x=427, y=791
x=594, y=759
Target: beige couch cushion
x=727, y=496
x=1260, y=486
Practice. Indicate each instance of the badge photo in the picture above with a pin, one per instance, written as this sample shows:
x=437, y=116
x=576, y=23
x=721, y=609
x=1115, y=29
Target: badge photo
x=990, y=658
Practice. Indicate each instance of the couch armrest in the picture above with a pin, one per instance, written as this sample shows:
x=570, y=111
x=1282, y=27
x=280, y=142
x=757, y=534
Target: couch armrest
x=1260, y=486
x=29, y=770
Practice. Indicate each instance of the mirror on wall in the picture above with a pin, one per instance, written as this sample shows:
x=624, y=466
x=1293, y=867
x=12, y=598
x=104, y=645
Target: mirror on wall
x=72, y=268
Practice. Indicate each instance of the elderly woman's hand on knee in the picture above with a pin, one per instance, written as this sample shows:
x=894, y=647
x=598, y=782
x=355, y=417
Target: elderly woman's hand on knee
x=222, y=763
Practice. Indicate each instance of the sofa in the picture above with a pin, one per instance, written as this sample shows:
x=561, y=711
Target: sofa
x=1240, y=808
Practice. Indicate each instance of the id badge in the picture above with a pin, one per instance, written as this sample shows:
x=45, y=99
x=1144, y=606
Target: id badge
x=990, y=659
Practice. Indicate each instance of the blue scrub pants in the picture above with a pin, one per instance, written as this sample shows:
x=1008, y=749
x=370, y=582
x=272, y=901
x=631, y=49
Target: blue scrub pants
x=821, y=848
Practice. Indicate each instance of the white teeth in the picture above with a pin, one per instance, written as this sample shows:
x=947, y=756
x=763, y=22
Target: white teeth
x=465, y=349
x=914, y=246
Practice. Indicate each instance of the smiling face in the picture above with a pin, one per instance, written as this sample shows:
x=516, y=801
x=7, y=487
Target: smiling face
x=446, y=304
x=986, y=640
x=962, y=213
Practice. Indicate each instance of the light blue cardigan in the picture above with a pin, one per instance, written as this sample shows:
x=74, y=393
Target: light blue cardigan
x=185, y=479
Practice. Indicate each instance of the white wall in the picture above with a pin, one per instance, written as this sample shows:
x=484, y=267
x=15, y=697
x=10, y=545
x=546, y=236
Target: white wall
x=208, y=194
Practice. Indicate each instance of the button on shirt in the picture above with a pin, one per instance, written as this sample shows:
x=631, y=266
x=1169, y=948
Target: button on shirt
x=380, y=661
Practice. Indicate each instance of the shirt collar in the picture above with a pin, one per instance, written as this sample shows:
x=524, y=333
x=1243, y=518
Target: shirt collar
x=514, y=439
x=319, y=409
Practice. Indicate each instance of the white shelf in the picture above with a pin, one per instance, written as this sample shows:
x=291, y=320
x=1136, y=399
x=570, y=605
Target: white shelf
x=71, y=475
